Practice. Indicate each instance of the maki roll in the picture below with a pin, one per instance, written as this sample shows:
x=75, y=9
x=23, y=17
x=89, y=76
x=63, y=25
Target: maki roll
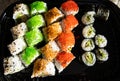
x=19, y=30
x=88, y=31
x=87, y=45
x=102, y=54
x=35, y=22
x=89, y=58
x=66, y=41
x=69, y=23
x=53, y=15
x=43, y=68
x=88, y=18
x=29, y=55
x=50, y=50
x=17, y=46
x=52, y=31
x=103, y=13
x=63, y=59
x=38, y=7
x=33, y=37
x=12, y=65
x=21, y=12
x=69, y=7
x=100, y=40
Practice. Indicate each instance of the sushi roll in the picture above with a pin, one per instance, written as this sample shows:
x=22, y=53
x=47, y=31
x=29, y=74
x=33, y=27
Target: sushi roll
x=69, y=23
x=43, y=68
x=29, y=55
x=102, y=54
x=103, y=13
x=19, y=30
x=35, y=22
x=53, y=15
x=88, y=18
x=63, y=59
x=21, y=12
x=87, y=45
x=88, y=31
x=33, y=37
x=66, y=41
x=100, y=40
x=38, y=7
x=12, y=65
x=50, y=50
x=69, y=7
x=17, y=46
x=89, y=58
x=52, y=31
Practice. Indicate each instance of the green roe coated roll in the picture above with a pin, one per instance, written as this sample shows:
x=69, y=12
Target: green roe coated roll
x=33, y=37
x=35, y=22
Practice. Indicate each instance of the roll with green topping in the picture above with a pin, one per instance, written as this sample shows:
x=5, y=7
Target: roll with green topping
x=89, y=58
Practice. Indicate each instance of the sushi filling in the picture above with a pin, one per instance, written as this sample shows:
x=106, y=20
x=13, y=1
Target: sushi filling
x=102, y=54
x=89, y=58
x=88, y=31
x=88, y=44
x=100, y=40
x=88, y=18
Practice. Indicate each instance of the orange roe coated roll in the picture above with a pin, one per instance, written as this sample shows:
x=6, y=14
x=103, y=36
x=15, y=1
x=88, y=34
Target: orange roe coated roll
x=69, y=23
x=64, y=58
x=66, y=41
x=70, y=7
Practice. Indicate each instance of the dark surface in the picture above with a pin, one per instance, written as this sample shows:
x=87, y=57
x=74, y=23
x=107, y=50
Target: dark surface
x=77, y=71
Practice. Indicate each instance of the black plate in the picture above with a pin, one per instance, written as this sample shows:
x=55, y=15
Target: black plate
x=76, y=71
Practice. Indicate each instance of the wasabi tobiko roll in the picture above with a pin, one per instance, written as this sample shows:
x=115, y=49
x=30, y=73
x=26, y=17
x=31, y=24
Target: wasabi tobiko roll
x=38, y=7
x=89, y=31
x=88, y=18
x=43, y=68
x=69, y=23
x=19, y=30
x=53, y=15
x=12, y=65
x=69, y=7
x=29, y=55
x=102, y=54
x=35, y=22
x=89, y=58
x=52, y=31
x=88, y=45
x=17, y=46
x=33, y=37
x=100, y=40
x=62, y=60
x=50, y=50
x=21, y=12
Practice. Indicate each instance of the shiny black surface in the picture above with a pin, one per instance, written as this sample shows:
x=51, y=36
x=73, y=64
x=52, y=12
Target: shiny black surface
x=76, y=71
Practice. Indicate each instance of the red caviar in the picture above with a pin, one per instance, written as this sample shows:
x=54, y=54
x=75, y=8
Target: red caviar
x=64, y=58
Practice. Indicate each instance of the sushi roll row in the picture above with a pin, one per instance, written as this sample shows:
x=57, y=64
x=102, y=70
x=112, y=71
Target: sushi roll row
x=26, y=35
x=88, y=44
x=59, y=40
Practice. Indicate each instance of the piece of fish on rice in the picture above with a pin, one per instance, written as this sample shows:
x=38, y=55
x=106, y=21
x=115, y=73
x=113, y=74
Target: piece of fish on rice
x=50, y=50
x=17, y=46
x=43, y=68
x=62, y=60
x=12, y=65
x=19, y=30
